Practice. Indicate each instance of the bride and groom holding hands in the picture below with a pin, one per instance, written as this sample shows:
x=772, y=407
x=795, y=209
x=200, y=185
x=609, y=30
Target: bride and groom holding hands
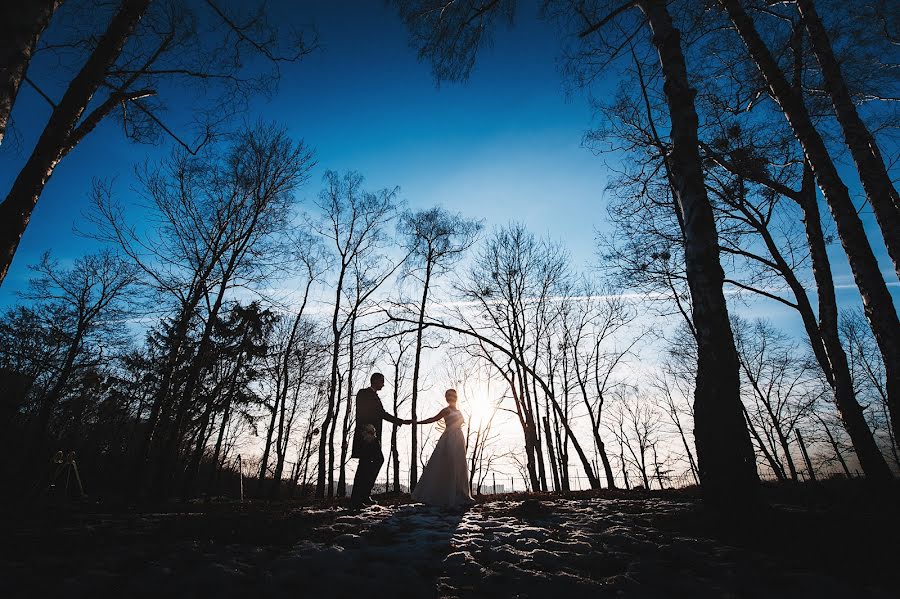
x=445, y=480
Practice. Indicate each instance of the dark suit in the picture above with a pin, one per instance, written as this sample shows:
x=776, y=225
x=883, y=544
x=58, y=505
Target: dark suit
x=367, y=447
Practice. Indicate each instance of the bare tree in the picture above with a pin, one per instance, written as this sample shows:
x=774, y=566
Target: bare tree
x=513, y=277
x=879, y=306
x=503, y=332
x=221, y=217
x=869, y=379
x=781, y=389
x=297, y=361
x=673, y=383
x=370, y=273
x=436, y=240
x=879, y=188
x=81, y=301
x=725, y=459
x=354, y=221
x=145, y=47
x=758, y=228
x=591, y=322
x=636, y=428
x=397, y=351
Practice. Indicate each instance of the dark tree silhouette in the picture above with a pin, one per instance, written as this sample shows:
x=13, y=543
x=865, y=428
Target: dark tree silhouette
x=222, y=215
x=139, y=49
x=877, y=299
x=353, y=222
x=436, y=240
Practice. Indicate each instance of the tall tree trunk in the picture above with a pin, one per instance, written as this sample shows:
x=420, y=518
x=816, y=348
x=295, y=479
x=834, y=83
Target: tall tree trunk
x=264, y=461
x=193, y=468
x=207, y=421
x=786, y=448
x=301, y=466
x=562, y=449
x=643, y=466
x=823, y=334
x=557, y=486
x=214, y=471
x=331, y=430
x=851, y=413
x=877, y=301
x=395, y=451
x=21, y=25
x=176, y=342
x=284, y=388
x=331, y=413
x=604, y=460
x=417, y=362
x=62, y=380
x=809, y=465
x=61, y=133
x=598, y=441
x=167, y=470
x=345, y=427
x=835, y=447
x=528, y=426
x=774, y=464
x=656, y=469
x=585, y=462
x=724, y=452
x=542, y=471
x=879, y=188
x=281, y=441
x=530, y=462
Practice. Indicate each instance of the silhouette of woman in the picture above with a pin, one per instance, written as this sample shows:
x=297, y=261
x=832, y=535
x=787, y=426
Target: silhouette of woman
x=445, y=480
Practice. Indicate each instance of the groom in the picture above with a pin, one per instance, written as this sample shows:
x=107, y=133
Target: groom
x=367, y=440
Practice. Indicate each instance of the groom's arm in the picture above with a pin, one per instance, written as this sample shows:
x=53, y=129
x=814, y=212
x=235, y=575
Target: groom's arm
x=392, y=418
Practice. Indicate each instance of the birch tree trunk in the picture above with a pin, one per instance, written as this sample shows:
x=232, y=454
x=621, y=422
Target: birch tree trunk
x=725, y=456
x=61, y=133
x=414, y=443
x=879, y=188
x=330, y=413
x=870, y=458
x=877, y=301
x=21, y=25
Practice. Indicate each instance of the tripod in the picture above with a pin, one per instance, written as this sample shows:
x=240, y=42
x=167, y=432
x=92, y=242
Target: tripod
x=68, y=466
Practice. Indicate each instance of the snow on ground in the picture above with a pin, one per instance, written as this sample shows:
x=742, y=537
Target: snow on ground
x=560, y=548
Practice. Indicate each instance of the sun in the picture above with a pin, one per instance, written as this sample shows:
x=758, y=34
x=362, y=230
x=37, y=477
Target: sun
x=478, y=410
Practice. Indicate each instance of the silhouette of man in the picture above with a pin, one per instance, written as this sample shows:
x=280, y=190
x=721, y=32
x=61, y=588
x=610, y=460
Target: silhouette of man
x=367, y=440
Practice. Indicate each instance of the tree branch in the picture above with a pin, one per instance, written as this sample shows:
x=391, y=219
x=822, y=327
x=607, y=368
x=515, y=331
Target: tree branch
x=599, y=24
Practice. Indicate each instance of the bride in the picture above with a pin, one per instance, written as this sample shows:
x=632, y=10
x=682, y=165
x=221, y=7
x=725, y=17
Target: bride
x=445, y=480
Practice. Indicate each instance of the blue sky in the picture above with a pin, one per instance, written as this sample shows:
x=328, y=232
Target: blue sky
x=504, y=146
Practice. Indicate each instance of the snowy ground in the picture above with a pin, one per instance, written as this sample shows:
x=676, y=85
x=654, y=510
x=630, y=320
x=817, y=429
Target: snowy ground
x=545, y=547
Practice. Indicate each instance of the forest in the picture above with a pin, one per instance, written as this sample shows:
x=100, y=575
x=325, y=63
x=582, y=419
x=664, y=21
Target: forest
x=222, y=332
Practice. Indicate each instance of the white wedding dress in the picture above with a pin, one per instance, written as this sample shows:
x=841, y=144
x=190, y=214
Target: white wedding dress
x=445, y=480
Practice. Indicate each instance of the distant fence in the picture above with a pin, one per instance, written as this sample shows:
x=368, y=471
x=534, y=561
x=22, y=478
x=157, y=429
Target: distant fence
x=507, y=483
x=499, y=482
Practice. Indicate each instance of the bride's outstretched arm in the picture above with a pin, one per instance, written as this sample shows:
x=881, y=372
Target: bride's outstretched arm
x=434, y=418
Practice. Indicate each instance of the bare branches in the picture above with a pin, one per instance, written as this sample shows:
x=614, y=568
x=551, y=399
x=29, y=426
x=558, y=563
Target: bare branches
x=596, y=26
x=264, y=47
